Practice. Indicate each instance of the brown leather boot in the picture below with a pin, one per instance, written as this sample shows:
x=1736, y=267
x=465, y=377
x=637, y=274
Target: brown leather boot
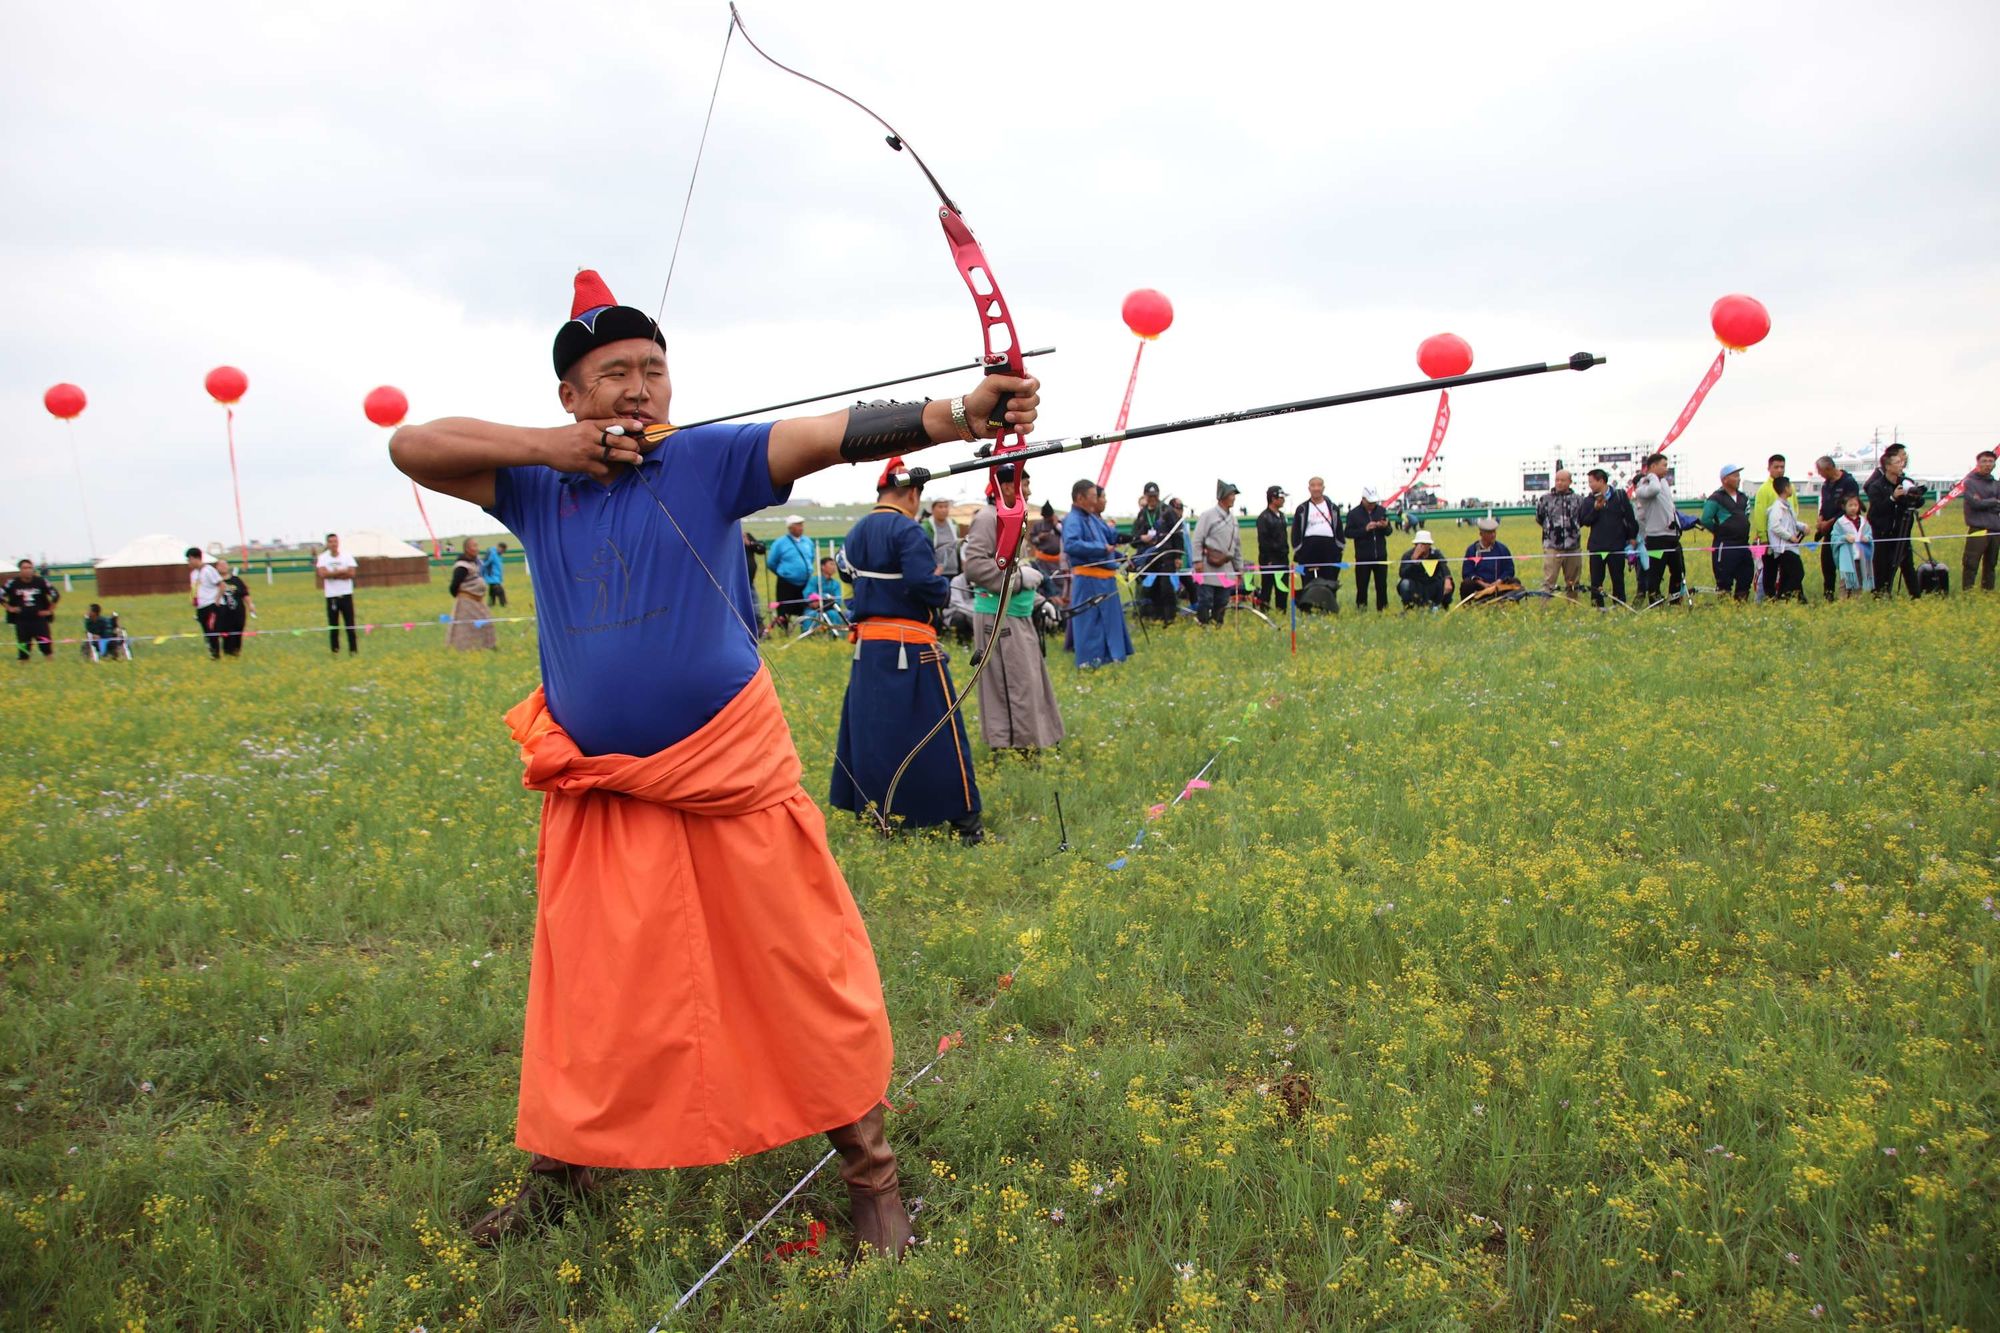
x=551, y=1186
x=881, y=1223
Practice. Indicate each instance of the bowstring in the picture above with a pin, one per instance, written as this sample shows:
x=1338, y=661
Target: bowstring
x=687, y=200
x=659, y=315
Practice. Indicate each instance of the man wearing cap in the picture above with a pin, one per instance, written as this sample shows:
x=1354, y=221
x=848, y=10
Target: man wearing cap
x=1424, y=577
x=1559, y=515
x=1488, y=568
x=1274, y=550
x=1156, y=552
x=1097, y=629
x=1218, y=544
x=1017, y=705
x=1317, y=537
x=702, y=986
x=790, y=560
x=1726, y=514
x=899, y=683
x=1368, y=535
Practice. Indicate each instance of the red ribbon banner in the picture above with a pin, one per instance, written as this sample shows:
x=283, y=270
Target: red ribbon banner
x=236, y=486
x=1124, y=415
x=1945, y=499
x=437, y=550
x=1438, y=428
x=1694, y=403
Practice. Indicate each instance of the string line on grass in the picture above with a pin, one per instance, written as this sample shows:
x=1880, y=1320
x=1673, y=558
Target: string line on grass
x=945, y=1044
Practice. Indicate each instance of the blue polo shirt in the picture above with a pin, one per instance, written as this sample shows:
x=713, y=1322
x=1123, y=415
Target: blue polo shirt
x=638, y=648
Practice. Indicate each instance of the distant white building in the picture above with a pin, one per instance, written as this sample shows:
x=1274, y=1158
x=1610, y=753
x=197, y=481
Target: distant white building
x=1861, y=460
x=1621, y=461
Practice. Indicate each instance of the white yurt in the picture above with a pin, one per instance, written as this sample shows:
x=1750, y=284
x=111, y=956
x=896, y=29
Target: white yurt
x=143, y=567
x=385, y=561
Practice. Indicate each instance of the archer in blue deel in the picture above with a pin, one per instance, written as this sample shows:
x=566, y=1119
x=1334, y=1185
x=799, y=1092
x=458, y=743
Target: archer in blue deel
x=902, y=747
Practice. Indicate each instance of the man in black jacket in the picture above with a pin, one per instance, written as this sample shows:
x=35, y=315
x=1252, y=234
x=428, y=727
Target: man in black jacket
x=1368, y=533
x=1317, y=536
x=1274, y=550
x=1894, y=501
x=1835, y=485
x=1607, y=512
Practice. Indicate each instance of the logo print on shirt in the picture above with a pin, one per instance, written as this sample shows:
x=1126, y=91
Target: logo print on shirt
x=611, y=581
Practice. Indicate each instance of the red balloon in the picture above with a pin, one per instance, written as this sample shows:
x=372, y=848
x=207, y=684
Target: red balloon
x=386, y=406
x=1443, y=355
x=226, y=385
x=65, y=401
x=1739, y=321
x=1147, y=313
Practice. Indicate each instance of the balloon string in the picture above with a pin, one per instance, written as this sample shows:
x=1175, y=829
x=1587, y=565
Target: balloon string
x=437, y=550
x=236, y=486
x=1124, y=414
x=82, y=491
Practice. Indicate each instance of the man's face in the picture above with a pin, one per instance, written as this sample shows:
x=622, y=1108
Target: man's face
x=1732, y=482
x=1488, y=538
x=26, y=569
x=796, y=529
x=1827, y=470
x=1985, y=468
x=1228, y=500
x=622, y=379
x=1659, y=468
x=194, y=562
x=1316, y=488
x=1894, y=464
x=1596, y=485
x=333, y=544
x=1562, y=482
x=1776, y=468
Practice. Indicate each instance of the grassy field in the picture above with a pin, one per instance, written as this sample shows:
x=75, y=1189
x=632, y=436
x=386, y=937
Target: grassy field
x=1523, y=968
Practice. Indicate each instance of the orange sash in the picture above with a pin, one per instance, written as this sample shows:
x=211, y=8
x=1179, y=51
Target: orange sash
x=893, y=629
x=1093, y=572
x=702, y=985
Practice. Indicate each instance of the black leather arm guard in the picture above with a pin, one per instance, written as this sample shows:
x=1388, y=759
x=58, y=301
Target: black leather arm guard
x=883, y=429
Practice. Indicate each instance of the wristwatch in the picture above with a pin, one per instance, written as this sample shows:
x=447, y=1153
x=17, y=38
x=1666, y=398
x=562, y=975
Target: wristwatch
x=961, y=422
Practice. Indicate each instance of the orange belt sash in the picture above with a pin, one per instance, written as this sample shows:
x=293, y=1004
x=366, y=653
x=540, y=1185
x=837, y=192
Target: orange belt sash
x=1093, y=572
x=893, y=629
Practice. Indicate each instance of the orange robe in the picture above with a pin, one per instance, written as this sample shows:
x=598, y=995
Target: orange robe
x=702, y=985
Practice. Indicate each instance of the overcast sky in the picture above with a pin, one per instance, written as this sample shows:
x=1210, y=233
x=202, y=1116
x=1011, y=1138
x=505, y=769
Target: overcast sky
x=360, y=194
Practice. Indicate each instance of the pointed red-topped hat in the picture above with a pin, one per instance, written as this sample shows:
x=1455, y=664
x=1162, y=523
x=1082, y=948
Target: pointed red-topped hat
x=595, y=319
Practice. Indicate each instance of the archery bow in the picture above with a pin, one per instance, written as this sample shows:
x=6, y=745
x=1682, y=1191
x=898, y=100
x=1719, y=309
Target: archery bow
x=1002, y=356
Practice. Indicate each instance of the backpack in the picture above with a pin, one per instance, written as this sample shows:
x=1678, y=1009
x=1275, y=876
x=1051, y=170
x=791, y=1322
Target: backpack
x=1319, y=595
x=1933, y=576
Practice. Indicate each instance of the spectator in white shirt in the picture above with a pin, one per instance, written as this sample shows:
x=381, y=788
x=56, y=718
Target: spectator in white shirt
x=334, y=573
x=206, y=586
x=1784, y=532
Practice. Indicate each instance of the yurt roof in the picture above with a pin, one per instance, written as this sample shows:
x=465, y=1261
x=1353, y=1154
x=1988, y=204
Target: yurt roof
x=368, y=542
x=158, y=549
